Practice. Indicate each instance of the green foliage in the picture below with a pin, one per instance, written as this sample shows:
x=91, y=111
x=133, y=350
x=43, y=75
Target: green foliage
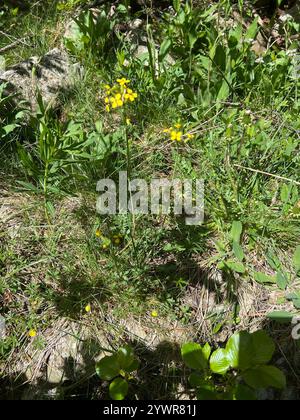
x=245, y=358
x=118, y=369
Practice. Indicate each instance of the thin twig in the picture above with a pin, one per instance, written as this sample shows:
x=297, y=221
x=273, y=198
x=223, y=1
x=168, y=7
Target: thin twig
x=267, y=173
x=11, y=46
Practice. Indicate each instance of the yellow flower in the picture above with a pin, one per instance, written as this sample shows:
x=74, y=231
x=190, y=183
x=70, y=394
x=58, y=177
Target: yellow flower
x=167, y=130
x=190, y=136
x=178, y=125
x=128, y=122
x=123, y=81
x=154, y=314
x=107, y=108
x=176, y=135
x=104, y=246
x=98, y=233
x=88, y=308
x=32, y=333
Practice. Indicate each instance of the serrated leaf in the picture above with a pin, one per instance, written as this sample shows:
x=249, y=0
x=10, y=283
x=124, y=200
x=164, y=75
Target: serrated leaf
x=118, y=389
x=265, y=377
x=219, y=362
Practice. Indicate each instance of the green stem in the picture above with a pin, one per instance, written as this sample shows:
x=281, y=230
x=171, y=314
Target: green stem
x=132, y=218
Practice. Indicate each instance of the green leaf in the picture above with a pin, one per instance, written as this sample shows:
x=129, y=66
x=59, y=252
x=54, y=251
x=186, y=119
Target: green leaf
x=223, y=92
x=238, y=267
x=263, y=347
x=206, y=350
x=193, y=356
x=206, y=394
x=282, y=317
x=164, y=48
x=244, y=393
x=118, y=389
x=281, y=280
x=236, y=231
x=134, y=366
x=238, y=350
x=296, y=259
x=125, y=357
x=238, y=251
x=264, y=377
x=10, y=128
x=108, y=367
x=263, y=278
x=252, y=30
x=219, y=362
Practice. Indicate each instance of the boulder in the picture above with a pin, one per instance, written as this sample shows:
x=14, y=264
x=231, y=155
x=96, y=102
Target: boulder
x=50, y=76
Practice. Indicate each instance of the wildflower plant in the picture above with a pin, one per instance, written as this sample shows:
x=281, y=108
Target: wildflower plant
x=119, y=94
x=177, y=134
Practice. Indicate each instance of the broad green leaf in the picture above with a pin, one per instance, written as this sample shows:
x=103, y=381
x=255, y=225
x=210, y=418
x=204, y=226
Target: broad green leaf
x=108, y=367
x=206, y=394
x=125, y=357
x=219, y=362
x=196, y=380
x=118, y=389
x=296, y=259
x=244, y=393
x=238, y=267
x=193, y=356
x=282, y=317
x=239, y=350
x=238, y=251
x=134, y=366
x=206, y=350
x=263, y=278
x=263, y=347
x=236, y=231
x=265, y=377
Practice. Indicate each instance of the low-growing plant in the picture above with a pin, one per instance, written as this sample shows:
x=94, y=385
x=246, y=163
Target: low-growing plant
x=118, y=369
x=236, y=371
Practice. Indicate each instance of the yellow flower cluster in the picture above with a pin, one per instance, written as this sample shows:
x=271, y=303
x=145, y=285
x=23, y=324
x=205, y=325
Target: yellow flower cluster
x=118, y=94
x=176, y=133
x=106, y=242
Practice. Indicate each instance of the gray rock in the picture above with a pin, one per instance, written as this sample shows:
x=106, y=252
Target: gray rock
x=50, y=75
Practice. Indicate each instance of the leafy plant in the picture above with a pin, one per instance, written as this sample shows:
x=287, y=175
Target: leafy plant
x=118, y=369
x=242, y=366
